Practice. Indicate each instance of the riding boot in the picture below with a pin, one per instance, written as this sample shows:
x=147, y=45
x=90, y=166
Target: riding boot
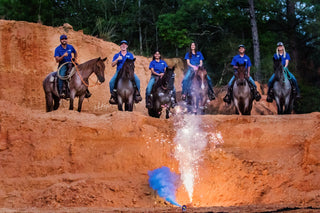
x=211, y=94
x=88, y=94
x=63, y=90
x=113, y=98
x=270, y=96
x=255, y=92
x=137, y=96
x=228, y=96
x=149, y=101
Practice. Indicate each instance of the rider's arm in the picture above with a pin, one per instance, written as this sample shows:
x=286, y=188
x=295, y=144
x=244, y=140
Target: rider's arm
x=59, y=58
x=201, y=62
x=249, y=71
x=287, y=63
x=154, y=73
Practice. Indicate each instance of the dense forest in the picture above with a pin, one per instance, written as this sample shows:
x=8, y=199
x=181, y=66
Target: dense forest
x=218, y=27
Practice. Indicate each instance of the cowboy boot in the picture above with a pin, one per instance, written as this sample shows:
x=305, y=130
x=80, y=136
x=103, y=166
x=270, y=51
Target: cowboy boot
x=211, y=94
x=228, y=96
x=255, y=92
x=137, y=96
x=270, y=96
x=113, y=98
x=88, y=94
x=149, y=100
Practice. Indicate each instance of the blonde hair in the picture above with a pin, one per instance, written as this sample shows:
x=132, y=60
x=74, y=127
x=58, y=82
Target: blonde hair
x=284, y=51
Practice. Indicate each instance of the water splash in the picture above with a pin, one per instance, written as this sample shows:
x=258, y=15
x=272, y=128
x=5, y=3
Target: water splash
x=165, y=183
x=190, y=142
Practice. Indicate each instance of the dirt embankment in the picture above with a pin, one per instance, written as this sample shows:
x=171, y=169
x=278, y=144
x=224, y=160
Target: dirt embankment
x=99, y=158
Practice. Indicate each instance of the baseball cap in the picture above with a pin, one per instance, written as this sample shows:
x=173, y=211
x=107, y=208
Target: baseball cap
x=123, y=41
x=279, y=44
x=241, y=45
x=63, y=37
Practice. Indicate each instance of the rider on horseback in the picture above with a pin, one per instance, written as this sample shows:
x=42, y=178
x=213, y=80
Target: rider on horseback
x=285, y=58
x=241, y=58
x=157, y=67
x=62, y=55
x=194, y=60
x=119, y=59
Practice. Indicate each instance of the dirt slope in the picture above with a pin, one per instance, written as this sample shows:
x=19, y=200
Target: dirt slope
x=98, y=159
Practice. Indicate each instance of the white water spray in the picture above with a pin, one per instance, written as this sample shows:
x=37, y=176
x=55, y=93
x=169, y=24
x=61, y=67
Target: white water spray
x=190, y=141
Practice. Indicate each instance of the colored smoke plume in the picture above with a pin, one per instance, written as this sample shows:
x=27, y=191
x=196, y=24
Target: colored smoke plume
x=165, y=183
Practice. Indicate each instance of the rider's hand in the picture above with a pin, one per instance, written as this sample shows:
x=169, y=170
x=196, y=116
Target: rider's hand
x=65, y=54
x=195, y=68
x=161, y=75
x=119, y=58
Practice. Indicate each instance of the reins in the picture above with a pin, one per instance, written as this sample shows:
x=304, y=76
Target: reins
x=76, y=66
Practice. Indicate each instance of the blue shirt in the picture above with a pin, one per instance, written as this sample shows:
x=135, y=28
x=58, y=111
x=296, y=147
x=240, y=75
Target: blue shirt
x=283, y=59
x=195, y=58
x=158, y=67
x=59, y=51
x=124, y=58
x=241, y=60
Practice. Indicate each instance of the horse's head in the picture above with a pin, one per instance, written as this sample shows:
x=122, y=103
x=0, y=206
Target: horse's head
x=99, y=69
x=201, y=76
x=168, y=78
x=128, y=68
x=278, y=68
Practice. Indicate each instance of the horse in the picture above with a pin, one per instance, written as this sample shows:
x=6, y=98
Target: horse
x=76, y=85
x=282, y=89
x=162, y=94
x=242, y=96
x=199, y=90
x=125, y=87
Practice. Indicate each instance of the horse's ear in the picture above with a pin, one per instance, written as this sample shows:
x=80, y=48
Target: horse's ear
x=104, y=59
x=238, y=64
x=134, y=59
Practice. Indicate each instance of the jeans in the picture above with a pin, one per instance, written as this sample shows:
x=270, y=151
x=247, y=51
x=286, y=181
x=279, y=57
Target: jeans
x=250, y=79
x=62, y=72
x=291, y=77
x=150, y=85
x=113, y=81
x=186, y=82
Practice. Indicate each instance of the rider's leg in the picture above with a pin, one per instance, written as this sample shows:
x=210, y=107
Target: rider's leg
x=294, y=82
x=61, y=83
x=270, y=89
x=210, y=89
x=113, y=92
x=148, y=92
x=186, y=83
x=136, y=85
x=256, y=94
x=227, y=98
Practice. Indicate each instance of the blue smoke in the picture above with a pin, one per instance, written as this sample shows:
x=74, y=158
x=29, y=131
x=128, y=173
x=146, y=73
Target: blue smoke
x=165, y=183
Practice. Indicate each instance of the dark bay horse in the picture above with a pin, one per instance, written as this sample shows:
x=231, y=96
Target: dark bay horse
x=77, y=87
x=162, y=94
x=282, y=89
x=125, y=88
x=242, y=96
x=199, y=90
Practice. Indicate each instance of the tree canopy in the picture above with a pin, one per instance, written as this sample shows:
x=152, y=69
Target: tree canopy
x=218, y=27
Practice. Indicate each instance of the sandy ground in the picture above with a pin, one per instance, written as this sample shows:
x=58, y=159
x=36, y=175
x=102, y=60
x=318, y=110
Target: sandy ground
x=98, y=160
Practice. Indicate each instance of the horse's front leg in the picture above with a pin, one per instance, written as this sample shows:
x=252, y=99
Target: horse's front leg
x=236, y=104
x=120, y=103
x=81, y=98
x=287, y=105
x=72, y=96
x=130, y=104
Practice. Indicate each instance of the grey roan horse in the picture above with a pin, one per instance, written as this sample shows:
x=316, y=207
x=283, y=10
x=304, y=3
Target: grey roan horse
x=77, y=87
x=199, y=90
x=125, y=88
x=282, y=89
x=242, y=96
x=162, y=94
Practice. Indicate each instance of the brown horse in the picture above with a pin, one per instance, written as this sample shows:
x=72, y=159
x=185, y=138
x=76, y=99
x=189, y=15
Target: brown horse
x=242, y=96
x=77, y=87
x=199, y=90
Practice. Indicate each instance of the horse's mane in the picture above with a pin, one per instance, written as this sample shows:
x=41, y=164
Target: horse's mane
x=88, y=64
x=123, y=67
x=165, y=79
